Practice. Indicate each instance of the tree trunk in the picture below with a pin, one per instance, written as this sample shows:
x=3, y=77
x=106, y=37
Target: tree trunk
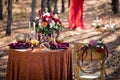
x=17, y=0
x=33, y=10
x=1, y=10
x=63, y=6
x=9, y=20
x=49, y=5
x=43, y=5
x=55, y=7
x=115, y=6
x=68, y=3
x=4, y=8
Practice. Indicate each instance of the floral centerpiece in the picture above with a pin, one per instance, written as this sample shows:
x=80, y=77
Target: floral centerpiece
x=47, y=29
x=94, y=50
x=47, y=23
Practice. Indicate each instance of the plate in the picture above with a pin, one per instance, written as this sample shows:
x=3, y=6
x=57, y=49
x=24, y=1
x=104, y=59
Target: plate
x=22, y=50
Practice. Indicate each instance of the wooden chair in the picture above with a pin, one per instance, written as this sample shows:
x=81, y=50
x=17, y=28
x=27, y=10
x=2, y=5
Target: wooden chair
x=81, y=74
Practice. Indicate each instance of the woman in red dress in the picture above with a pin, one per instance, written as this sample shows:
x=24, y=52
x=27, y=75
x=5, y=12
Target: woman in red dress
x=76, y=14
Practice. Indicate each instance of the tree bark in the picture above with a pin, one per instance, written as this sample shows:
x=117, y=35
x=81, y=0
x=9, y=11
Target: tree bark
x=115, y=6
x=17, y=0
x=68, y=3
x=63, y=6
x=9, y=20
x=43, y=5
x=55, y=7
x=1, y=10
x=33, y=7
x=49, y=5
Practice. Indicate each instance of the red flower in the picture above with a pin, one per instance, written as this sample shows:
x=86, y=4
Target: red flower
x=40, y=13
x=44, y=18
x=57, y=20
x=100, y=50
x=47, y=18
x=51, y=15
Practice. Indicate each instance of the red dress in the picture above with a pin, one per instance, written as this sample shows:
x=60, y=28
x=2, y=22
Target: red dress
x=76, y=14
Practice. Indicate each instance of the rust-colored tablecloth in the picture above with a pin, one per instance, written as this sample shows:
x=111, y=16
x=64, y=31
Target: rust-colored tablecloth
x=39, y=65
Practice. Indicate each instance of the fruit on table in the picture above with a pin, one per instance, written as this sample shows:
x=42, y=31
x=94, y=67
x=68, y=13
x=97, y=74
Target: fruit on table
x=21, y=38
x=50, y=39
x=34, y=42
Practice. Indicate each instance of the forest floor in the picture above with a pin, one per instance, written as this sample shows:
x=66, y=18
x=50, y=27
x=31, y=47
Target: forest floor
x=92, y=9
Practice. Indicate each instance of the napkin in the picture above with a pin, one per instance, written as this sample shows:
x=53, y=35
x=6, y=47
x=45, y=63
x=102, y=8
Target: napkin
x=17, y=45
x=63, y=45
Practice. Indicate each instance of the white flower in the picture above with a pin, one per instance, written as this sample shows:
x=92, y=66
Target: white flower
x=52, y=24
x=56, y=27
x=48, y=14
x=47, y=19
x=39, y=24
x=55, y=16
x=36, y=18
x=102, y=47
x=87, y=45
x=99, y=41
x=97, y=45
x=40, y=20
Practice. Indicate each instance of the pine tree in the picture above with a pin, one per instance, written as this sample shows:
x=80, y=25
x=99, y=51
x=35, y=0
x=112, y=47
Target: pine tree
x=1, y=10
x=33, y=7
x=9, y=19
x=115, y=6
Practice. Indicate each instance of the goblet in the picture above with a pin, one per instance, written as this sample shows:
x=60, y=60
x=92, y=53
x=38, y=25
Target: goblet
x=21, y=38
x=60, y=39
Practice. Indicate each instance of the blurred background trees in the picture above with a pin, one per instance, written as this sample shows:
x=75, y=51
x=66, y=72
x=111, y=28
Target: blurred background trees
x=9, y=18
x=33, y=9
x=115, y=6
x=7, y=13
x=49, y=3
x=1, y=10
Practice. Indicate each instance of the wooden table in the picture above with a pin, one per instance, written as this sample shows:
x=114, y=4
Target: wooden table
x=39, y=65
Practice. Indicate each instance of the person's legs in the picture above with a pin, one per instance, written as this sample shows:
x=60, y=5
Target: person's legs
x=72, y=14
x=79, y=18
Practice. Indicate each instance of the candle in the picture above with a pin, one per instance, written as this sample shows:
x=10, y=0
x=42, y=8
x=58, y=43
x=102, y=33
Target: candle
x=30, y=33
x=103, y=20
x=97, y=18
x=34, y=26
x=110, y=21
x=29, y=26
x=34, y=29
